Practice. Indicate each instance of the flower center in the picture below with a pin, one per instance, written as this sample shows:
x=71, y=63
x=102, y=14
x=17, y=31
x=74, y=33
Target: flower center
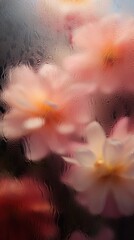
x=38, y=106
x=46, y=107
x=110, y=56
x=49, y=111
x=105, y=170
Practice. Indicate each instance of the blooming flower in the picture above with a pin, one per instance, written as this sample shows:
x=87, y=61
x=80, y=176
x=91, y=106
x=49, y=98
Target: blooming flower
x=104, y=53
x=73, y=13
x=26, y=210
x=105, y=169
x=44, y=107
x=76, y=12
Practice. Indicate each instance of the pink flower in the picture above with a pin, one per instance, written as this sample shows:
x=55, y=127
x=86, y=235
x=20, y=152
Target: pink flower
x=104, y=54
x=26, y=210
x=66, y=15
x=76, y=13
x=73, y=13
x=45, y=108
x=103, y=173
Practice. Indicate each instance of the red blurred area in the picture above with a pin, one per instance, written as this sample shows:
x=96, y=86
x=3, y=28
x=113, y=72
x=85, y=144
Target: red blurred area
x=26, y=212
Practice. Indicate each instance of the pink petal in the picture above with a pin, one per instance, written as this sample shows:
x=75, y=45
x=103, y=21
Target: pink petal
x=111, y=210
x=129, y=147
x=23, y=75
x=85, y=158
x=96, y=137
x=124, y=200
x=120, y=130
x=77, y=178
x=12, y=125
x=70, y=160
x=128, y=183
x=17, y=92
x=65, y=128
x=129, y=172
x=52, y=76
x=58, y=143
x=88, y=33
x=97, y=197
x=80, y=66
x=36, y=147
x=113, y=151
x=79, y=39
x=78, y=110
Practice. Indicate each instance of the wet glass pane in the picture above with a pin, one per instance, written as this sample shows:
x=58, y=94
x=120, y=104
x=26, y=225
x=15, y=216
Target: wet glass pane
x=66, y=119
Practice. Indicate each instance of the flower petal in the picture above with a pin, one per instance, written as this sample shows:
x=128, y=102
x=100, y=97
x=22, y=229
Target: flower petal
x=12, y=125
x=120, y=129
x=129, y=185
x=78, y=178
x=129, y=147
x=36, y=147
x=125, y=201
x=70, y=160
x=97, y=198
x=96, y=137
x=34, y=123
x=52, y=76
x=65, y=128
x=78, y=109
x=129, y=173
x=113, y=151
x=85, y=158
x=58, y=143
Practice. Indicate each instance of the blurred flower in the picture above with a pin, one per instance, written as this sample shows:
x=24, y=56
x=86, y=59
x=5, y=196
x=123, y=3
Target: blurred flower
x=75, y=13
x=78, y=236
x=104, y=169
x=104, y=234
x=104, y=53
x=26, y=211
x=69, y=14
x=46, y=108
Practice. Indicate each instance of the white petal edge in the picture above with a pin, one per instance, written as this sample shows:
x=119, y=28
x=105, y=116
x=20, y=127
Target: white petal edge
x=113, y=151
x=78, y=178
x=36, y=147
x=96, y=137
x=65, y=128
x=70, y=160
x=34, y=123
x=85, y=158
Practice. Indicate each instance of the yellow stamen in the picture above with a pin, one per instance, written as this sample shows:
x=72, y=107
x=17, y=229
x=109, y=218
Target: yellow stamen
x=110, y=55
x=49, y=111
x=105, y=170
x=39, y=106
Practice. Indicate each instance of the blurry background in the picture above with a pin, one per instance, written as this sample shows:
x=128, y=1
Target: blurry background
x=27, y=38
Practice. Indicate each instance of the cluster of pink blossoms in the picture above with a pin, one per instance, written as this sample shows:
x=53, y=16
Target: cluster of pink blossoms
x=52, y=109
